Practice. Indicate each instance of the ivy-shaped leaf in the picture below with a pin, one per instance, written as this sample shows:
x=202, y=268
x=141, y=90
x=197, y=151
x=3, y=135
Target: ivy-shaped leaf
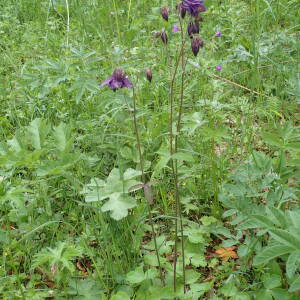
x=115, y=189
x=119, y=204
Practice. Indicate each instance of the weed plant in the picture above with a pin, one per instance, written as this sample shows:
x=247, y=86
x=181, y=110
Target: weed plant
x=149, y=149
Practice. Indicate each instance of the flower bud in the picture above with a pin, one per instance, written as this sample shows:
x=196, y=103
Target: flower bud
x=193, y=28
x=182, y=11
x=165, y=13
x=164, y=37
x=149, y=74
x=196, y=44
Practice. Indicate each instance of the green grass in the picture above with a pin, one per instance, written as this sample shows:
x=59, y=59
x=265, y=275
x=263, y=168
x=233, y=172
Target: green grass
x=60, y=131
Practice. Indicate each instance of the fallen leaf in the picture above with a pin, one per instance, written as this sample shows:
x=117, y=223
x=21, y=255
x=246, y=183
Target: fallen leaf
x=226, y=253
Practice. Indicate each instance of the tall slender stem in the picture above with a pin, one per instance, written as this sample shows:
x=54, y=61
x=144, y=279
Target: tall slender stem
x=171, y=150
x=117, y=20
x=144, y=182
x=68, y=21
x=180, y=112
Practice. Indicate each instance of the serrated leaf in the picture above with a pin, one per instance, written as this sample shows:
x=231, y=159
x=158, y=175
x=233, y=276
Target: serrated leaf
x=286, y=238
x=292, y=263
x=270, y=253
x=262, y=221
x=192, y=276
x=277, y=216
x=83, y=84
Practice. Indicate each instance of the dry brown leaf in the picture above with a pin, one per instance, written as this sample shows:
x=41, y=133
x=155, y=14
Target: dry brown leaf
x=226, y=253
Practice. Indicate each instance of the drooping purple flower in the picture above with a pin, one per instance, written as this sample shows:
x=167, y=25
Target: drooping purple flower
x=218, y=34
x=193, y=28
x=194, y=7
x=164, y=37
x=118, y=80
x=175, y=29
x=196, y=44
x=165, y=13
x=218, y=67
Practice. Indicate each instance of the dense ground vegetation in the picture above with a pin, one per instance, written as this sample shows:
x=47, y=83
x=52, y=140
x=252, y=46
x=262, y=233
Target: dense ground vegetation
x=97, y=203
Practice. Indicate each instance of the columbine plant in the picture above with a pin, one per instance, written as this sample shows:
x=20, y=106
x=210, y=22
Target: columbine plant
x=189, y=29
x=189, y=18
x=118, y=80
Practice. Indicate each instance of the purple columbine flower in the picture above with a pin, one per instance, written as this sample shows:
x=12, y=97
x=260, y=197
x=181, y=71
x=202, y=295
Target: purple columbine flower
x=218, y=34
x=164, y=36
x=218, y=67
x=175, y=29
x=118, y=80
x=193, y=28
x=194, y=7
x=165, y=13
x=196, y=44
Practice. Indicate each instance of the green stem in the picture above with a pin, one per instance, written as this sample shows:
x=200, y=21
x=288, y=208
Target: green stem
x=144, y=182
x=117, y=20
x=171, y=150
x=178, y=127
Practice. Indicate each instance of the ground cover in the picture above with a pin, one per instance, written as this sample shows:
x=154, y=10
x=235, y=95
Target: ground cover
x=177, y=177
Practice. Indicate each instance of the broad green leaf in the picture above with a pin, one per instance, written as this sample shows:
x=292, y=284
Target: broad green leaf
x=183, y=156
x=118, y=204
x=136, y=276
x=294, y=216
x=120, y=295
x=263, y=295
x=262, y=221
x=91, y=190
x=229, y=289
x=241, y=296
x=61, y=137
x=277, y=216
x=286, y=238
x=163, y=161
x=84, y=290
x=295, y=286
x=271, y=281
x=292, y=263
x=192, y=276
x=151, y=259
x=115, y=189
x=198, y=260
x=280, y=294
x=151, y=273
x=270, y=253
x=37, y=132
x=83, y=84
x=131, y=173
